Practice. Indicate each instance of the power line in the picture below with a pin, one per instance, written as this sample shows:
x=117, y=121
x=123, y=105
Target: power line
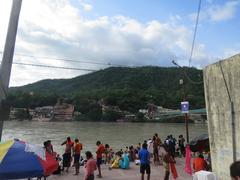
x=195, y=32
x=66, y=59
x=186, y=74
x=55, y=67
x=192, y=48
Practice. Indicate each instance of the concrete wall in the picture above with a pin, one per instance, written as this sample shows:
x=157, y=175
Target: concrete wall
x=219, y=112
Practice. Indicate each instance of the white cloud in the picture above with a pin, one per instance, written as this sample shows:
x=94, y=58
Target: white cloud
x=217, y=13
x=87, y=7
x=175, y=18
x=5, y=7
x=225, y=12
x=56, y=28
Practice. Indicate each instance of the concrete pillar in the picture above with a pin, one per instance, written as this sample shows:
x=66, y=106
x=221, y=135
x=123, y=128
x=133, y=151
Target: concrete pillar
x=219, y=94
x=6, y=65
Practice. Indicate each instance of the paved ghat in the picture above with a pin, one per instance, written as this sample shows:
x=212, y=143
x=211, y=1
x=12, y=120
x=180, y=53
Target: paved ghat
x=157, y=173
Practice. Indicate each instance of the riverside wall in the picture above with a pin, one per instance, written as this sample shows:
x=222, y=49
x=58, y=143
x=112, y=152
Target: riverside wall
x=219, y=112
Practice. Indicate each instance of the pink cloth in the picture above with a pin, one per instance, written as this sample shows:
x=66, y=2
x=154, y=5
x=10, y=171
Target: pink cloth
x=188, y=168
x=90, y=167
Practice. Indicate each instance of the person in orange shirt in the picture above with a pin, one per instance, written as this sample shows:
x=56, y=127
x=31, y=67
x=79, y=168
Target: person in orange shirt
x=77, y=153
x=99, y=152
x=199, y=163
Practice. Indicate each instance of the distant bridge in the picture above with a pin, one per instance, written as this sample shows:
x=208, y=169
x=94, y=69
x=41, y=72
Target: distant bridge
x=195, y=113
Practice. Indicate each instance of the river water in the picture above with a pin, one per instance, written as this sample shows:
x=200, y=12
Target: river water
x=118, y=135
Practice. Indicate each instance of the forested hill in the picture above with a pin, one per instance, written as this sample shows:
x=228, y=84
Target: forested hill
x=124, y=87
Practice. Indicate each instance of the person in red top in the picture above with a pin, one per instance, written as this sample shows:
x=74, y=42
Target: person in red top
x=99, y=152
x=67, y=155
x=199, y=163
x=90, y=166
x=77, y=153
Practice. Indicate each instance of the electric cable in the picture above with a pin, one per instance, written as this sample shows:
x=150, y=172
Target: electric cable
x=195, y=32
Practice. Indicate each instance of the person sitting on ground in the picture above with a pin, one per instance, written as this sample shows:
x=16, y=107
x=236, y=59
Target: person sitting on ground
x=121, y=152
x=90, y=166
x=199, y=163
x=99, y=152
x=138, y=146
x=111, y=155
x=107, y=154
x=144, y=157
x=235, y=170
x=116, y=161
x=58, y=159
x=124, y=161
x=132, y=154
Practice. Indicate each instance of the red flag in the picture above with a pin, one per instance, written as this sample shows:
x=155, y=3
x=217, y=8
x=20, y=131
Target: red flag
x=188, y=168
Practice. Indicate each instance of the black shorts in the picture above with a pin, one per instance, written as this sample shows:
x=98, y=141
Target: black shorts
x=66, y=159
x=76, y=158
x=90, y=177
x=145, y=167
x=99, y=161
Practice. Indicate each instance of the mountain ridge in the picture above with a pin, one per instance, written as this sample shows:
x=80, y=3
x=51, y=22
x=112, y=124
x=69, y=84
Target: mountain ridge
x=159, y=85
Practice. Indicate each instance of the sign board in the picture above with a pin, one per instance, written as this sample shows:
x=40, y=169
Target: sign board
x=185, y=106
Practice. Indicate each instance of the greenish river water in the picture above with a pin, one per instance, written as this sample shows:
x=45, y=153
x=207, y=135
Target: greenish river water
x=118, y=135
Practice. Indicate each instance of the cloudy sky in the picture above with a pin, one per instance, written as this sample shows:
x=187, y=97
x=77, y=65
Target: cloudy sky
x=100, y=33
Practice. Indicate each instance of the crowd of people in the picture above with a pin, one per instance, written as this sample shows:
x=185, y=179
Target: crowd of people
x=155, y=150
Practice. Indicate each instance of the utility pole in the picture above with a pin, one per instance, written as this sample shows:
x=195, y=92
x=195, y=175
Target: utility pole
x=6, y=65
x=185, y=114
x=183, y=83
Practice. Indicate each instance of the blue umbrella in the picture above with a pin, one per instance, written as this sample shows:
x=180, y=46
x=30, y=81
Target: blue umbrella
x=22, y=160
